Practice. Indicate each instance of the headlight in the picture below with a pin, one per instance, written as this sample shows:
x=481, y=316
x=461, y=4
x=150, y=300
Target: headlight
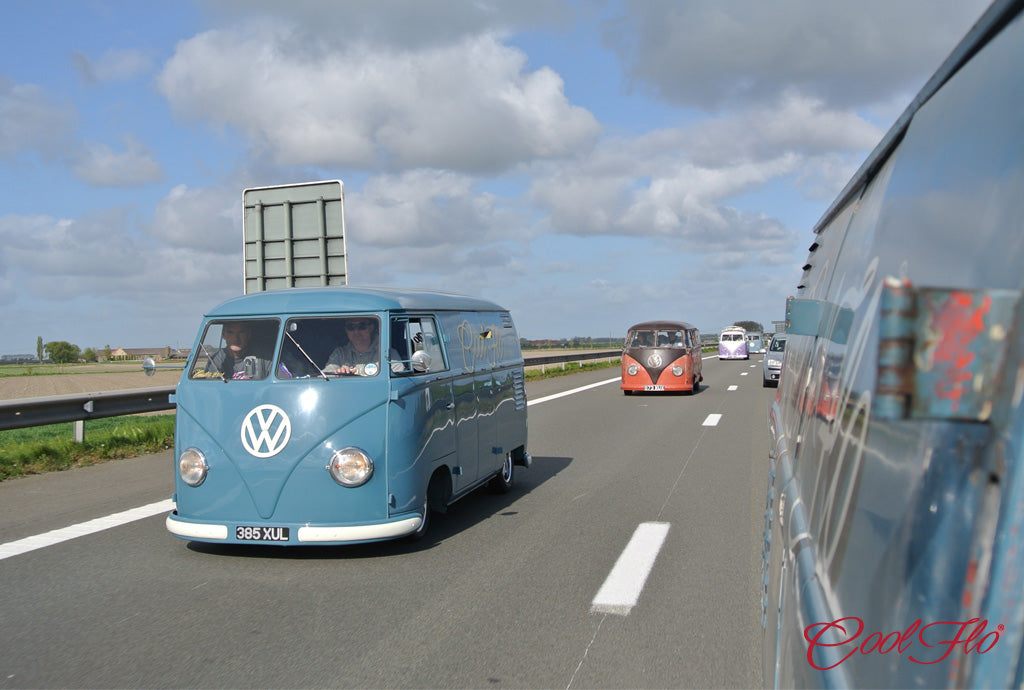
x=350, y=467
x=192, y=466
x=632, y=369
x=677, y=370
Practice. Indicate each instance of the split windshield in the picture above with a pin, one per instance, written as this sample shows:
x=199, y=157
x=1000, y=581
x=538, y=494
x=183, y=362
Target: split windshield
x=321, y=347
x=658, y=338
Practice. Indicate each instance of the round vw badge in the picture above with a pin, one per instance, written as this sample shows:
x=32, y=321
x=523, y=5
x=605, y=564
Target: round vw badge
x=266, y=430
x=370, y=369
x=654, y=361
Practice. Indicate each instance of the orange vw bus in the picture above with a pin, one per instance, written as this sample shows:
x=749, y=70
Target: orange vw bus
x=661, y=356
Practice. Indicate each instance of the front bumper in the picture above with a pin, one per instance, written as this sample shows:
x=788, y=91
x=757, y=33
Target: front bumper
x=225, y=533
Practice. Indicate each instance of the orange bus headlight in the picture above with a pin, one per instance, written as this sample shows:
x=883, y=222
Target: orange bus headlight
x=632, y=369
x=677, y=370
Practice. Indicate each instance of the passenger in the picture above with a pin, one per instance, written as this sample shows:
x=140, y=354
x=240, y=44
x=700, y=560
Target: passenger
x=237, y=359
x=360, y=356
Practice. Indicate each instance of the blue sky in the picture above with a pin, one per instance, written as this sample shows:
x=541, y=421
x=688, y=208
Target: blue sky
x=587, y=165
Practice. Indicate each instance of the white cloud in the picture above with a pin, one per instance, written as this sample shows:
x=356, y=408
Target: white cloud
x=467, y=106
x=31, y=121
x=204, y=219
x=705, y=53
x=101, y=166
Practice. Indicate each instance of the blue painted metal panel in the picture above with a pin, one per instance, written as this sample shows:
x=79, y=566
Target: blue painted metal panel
x=895, y=492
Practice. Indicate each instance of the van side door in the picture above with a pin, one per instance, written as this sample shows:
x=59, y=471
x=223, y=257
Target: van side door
x=421, y=416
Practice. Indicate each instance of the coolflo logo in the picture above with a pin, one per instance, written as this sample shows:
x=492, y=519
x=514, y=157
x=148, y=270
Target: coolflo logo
x=937, y=640
x=266, y=430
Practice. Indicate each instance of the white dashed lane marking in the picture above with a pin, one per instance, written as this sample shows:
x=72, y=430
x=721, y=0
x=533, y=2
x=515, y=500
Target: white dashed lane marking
x=621, y=589
x=712, y=420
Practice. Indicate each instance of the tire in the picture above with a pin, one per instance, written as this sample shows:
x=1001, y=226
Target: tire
x=503, y=481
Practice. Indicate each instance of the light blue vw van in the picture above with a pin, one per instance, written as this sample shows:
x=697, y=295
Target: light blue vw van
x=340, y=415
x=893, y=553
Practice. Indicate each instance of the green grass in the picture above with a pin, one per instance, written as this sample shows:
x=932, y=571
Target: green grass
x=553, y=370
x=47, y=448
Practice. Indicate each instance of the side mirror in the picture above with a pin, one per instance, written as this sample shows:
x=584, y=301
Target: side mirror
x=420, y=361
x=149, y=366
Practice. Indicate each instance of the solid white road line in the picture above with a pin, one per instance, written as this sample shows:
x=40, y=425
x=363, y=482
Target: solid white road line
x=56, y=536
x=621, y=590
x=712, y=420
x=538, y=401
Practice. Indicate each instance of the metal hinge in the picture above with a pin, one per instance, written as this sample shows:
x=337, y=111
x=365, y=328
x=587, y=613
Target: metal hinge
x=941, y=352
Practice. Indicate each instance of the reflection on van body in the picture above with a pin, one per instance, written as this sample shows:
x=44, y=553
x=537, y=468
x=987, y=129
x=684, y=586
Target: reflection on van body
x=755, y=343
x=896, y=483
x=342, y=415
x=661, y=356
x=732, y=343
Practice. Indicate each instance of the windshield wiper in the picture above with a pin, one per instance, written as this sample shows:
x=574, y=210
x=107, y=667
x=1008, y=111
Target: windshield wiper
x=206, y=350
x=308, y=358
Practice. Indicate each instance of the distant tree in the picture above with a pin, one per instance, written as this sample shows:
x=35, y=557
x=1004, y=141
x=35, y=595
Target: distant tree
x=62, y=352
x=39, y=348
x=752, y=326
x=167, y=352
x=106, y=353
x=89, y=355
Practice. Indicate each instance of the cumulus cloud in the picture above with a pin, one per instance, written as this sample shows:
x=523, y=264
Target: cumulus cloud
x=32, y=121
x=204, y=219
x=790, y=123
x=100, y=253
x=101, y=166
x=468, y=106
x=399, y=23
x=705, y=54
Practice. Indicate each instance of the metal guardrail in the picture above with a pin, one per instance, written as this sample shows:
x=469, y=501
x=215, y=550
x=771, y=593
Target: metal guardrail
x=54, y=409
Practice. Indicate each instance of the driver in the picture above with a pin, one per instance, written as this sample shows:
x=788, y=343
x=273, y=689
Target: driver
x=231, y=359
x=361, y=354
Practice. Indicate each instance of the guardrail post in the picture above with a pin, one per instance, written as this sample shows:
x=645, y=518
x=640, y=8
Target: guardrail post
x=79, y=431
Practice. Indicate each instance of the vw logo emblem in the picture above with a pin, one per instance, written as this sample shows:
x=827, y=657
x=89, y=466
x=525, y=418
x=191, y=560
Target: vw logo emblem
x=654, y=361
x=266, y=430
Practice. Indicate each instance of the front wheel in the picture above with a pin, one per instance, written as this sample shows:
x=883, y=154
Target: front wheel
x=502, y=482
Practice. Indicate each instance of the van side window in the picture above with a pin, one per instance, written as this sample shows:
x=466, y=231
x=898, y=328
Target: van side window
x=417, y=334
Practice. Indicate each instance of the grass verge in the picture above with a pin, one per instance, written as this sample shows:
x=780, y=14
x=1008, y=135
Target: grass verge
x=38, y=449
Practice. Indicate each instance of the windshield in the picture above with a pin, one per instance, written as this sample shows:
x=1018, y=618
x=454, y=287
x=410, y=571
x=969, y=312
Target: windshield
x=658, y=338
x=235, y=349
x=329, y=347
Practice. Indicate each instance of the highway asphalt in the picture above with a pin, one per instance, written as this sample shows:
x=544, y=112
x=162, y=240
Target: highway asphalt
x=503, y=592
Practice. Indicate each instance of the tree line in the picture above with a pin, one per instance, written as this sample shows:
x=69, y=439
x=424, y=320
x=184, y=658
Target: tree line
x=63, y=352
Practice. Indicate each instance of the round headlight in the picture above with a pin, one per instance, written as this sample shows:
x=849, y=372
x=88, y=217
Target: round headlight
x=350, y=467
x=192, y=466
x=677, y=370
x=632, y=369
